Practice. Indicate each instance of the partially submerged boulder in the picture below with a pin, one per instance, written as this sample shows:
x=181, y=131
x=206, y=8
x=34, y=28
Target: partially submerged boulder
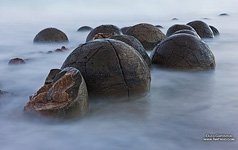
x=147, y=34
x=111, y=69
x=214, y=30
x=132, y=41
x=50, y=35
x=108, y=29
x=16, y=61
x=178, y=27
x=63, y=94
x=183, y=52
x=202, y=29
x=84, y=29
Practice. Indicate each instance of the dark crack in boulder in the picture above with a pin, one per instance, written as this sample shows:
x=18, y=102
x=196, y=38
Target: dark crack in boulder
x=183, y=52
x=64, y=94
x=111, y=69
x=84, y=29
x=132, y=41
x=108, y=29
x=178, y=27
x=202, y=29
x=50, y=35
x=215, y=31
x=147, y=34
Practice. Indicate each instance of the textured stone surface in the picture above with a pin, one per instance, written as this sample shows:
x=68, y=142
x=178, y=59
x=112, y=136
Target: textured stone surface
x=63, y=94
x=202, y=29
x=50, y=35
x=147, y=34
x=124, y=29
x=215, y=30
x=178, y=27
x=111, y=68
x=103, y=35
x=132, y=41
x=108, y=29
x=16, y=61
x=185, y=52
x=185, y=31
x=84, y=28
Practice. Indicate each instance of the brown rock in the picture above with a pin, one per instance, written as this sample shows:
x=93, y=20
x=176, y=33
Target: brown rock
x=63, y=94
x=184, y=52
x=147, y=34
x=50, y=35
x=108, y=29
x=111, y=68
x=103, y=35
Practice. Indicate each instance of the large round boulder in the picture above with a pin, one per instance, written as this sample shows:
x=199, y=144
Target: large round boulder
x=147, y=34
x=107, y=29
x=178, y=27
x=185, y=52
x=132, y=41
x=63, y=94
x=50, y=35
x=111, y=68
x=202, y=29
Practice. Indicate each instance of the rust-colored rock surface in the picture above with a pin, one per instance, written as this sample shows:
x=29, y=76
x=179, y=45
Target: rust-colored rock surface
x=64, y=93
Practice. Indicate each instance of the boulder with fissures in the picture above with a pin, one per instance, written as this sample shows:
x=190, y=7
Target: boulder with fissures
x=111, y=69
x=103, y=35
x=107, y=29
x=132, y=41
x=147, y=34
x=215, y=30
x=178, y=27
x=202, y=29
x=183, y=52
x=50, y=35
x=63, y=94
x=185, y=31
x=84, y=29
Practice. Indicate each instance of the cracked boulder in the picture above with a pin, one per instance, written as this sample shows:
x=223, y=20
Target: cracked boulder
x=111, y=69
x=178, y=27
x=63, y=94
x=185, y=31
x=106, y=29
x=184, y=52
x=50, y=35
x=202, y=29
x=147, y=34
x=132, y=41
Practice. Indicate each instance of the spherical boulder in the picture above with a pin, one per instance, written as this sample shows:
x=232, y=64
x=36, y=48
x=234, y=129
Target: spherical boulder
x=215, y=31
x=184, y=52
x=132, y=41
x=108, y=29
x=50, y=35
x=202, y=29
x=147, y=34
x=178, y=27
x=84, y=29
x=111, y=68
x=64, y=94
x=185, y=31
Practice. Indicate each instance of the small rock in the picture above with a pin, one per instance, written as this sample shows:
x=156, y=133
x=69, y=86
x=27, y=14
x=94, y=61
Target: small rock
x=185, y=31
x=174, y=19
x=63, y=94
x=215, y=30
x=50, y=35
x=84, y=29
x=16, y=61
x=62, y=49
x=159, y=26
x=223, y=14
x=2, y=93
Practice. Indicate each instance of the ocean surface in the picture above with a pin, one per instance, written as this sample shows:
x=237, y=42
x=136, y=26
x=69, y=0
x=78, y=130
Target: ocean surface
x=181, y=108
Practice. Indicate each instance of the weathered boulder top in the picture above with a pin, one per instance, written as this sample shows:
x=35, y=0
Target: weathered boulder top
x=132, y=41
x=202, y=29
x=109, y=29
x=64, y=92
x=50, y=35
x=185, y=31
x=178, y=27
x=147, y=34
x=183, y=52
x=111, y=69
x=85, y=28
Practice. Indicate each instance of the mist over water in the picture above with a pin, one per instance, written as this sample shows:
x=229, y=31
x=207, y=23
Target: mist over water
x=177, y=113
